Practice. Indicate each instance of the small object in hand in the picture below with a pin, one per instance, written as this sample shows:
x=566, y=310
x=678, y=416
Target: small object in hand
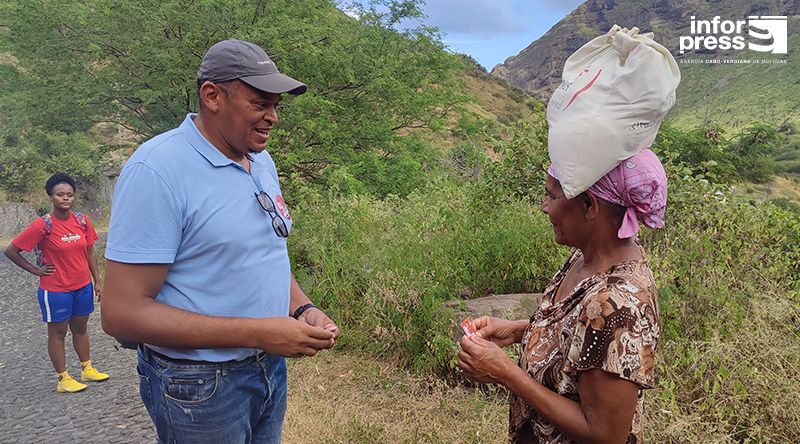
x=468, y=327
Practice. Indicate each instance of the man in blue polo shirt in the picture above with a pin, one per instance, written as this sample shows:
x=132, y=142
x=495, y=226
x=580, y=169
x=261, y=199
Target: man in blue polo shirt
x=198, y=270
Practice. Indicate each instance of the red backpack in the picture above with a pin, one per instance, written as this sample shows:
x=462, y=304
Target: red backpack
x=48, y=228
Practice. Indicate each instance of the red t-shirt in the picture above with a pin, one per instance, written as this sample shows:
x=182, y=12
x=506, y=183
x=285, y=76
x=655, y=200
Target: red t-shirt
x=65, y=249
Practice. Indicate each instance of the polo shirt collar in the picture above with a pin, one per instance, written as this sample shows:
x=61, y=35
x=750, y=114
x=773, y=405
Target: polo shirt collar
x=201, y=144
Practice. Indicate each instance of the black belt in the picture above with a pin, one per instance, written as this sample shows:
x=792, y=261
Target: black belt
x=146, y=350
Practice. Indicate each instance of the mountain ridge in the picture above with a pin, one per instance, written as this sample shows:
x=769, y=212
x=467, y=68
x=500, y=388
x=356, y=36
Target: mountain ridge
x=537, y=68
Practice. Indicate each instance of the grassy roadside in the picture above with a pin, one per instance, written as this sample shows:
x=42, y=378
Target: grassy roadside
x=347, y=397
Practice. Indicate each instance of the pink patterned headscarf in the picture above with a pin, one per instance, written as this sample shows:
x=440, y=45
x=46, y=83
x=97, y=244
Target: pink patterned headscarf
x=638, y=183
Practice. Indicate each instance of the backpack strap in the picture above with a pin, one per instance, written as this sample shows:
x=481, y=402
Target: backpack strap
x=82, y=220
x=39, y=249
x=48, y=224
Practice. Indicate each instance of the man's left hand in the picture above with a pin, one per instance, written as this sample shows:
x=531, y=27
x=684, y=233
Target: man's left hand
x=483, y=361
x=98, y=291
x=318, y=318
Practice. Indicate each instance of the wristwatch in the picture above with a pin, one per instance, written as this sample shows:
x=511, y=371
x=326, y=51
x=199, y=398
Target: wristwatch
x=302, y=309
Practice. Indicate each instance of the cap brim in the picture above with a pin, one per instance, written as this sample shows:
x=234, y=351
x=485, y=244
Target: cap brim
x=275, y=83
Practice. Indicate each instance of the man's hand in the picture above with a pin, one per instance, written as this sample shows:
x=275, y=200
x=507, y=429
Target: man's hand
x=318, y=318
x=483, y=361
x=98, y=291
x=295, y=338
x=45, y=270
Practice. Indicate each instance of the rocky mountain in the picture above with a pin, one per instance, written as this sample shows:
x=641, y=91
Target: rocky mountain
x=728, y=94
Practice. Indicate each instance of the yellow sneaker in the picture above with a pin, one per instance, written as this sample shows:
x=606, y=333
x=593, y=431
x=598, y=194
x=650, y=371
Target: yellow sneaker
x=68, y=385
x=89, y=373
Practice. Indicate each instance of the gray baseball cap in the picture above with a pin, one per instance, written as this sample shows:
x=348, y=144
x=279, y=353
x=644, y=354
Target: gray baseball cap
x=248, y=62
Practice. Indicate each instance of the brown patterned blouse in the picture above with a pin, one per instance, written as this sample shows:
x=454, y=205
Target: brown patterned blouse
x=609, y=321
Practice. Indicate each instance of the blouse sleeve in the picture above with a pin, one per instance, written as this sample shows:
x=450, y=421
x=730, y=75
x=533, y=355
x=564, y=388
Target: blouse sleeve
x=616, y=331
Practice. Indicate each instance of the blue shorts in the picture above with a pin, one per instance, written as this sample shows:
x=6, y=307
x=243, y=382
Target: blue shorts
x=58, y=306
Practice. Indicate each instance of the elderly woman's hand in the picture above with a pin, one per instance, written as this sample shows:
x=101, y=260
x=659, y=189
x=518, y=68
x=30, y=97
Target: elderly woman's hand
x=500, y=331
x=483, y=361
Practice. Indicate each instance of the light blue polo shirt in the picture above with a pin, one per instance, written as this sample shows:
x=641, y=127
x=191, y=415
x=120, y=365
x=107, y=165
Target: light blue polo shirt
x=180, y=201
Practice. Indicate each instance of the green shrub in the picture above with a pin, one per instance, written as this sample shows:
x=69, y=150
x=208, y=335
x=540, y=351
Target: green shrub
x=520, y=172
x=728, y=274
x=384, y=266
x=708, y=151
x=715, y=253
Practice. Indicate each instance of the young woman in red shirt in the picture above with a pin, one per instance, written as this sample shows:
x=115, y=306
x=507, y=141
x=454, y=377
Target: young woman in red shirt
x=66, y=265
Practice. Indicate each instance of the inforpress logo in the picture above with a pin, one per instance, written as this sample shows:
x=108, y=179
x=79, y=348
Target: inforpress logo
x=766, y=28
x=769, y=32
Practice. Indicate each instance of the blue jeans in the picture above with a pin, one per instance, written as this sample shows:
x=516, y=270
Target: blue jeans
x=203, y=402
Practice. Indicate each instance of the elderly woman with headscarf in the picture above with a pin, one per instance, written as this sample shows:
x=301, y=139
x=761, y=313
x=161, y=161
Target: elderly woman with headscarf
x=587, y=353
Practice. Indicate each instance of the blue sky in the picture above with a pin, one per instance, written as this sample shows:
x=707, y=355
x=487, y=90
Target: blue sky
x=492, y=30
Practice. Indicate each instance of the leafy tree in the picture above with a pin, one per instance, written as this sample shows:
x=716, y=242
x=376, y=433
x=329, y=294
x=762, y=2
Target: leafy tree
x=19, y=167
x=751, y=152
x=701, y=150
x=707, y=151
x=520, y=173
x=134, y=64
x=27, y=160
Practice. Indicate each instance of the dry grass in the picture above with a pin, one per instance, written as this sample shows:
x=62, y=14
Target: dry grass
x=344, y=397
x=493, y=99
x=777, y=187
x=348, y=397
x=752, y=391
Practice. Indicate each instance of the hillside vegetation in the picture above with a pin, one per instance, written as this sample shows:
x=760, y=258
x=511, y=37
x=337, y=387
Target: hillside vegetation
x=414, y=179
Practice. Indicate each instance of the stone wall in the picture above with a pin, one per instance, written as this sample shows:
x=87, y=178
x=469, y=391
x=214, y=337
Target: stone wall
x=14, y=217
x=505, y=306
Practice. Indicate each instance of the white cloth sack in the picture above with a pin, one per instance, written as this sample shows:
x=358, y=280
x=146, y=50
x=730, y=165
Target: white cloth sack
x=615, y=92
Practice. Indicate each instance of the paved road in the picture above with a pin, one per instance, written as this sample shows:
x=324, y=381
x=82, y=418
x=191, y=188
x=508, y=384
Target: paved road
x=31, y=411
